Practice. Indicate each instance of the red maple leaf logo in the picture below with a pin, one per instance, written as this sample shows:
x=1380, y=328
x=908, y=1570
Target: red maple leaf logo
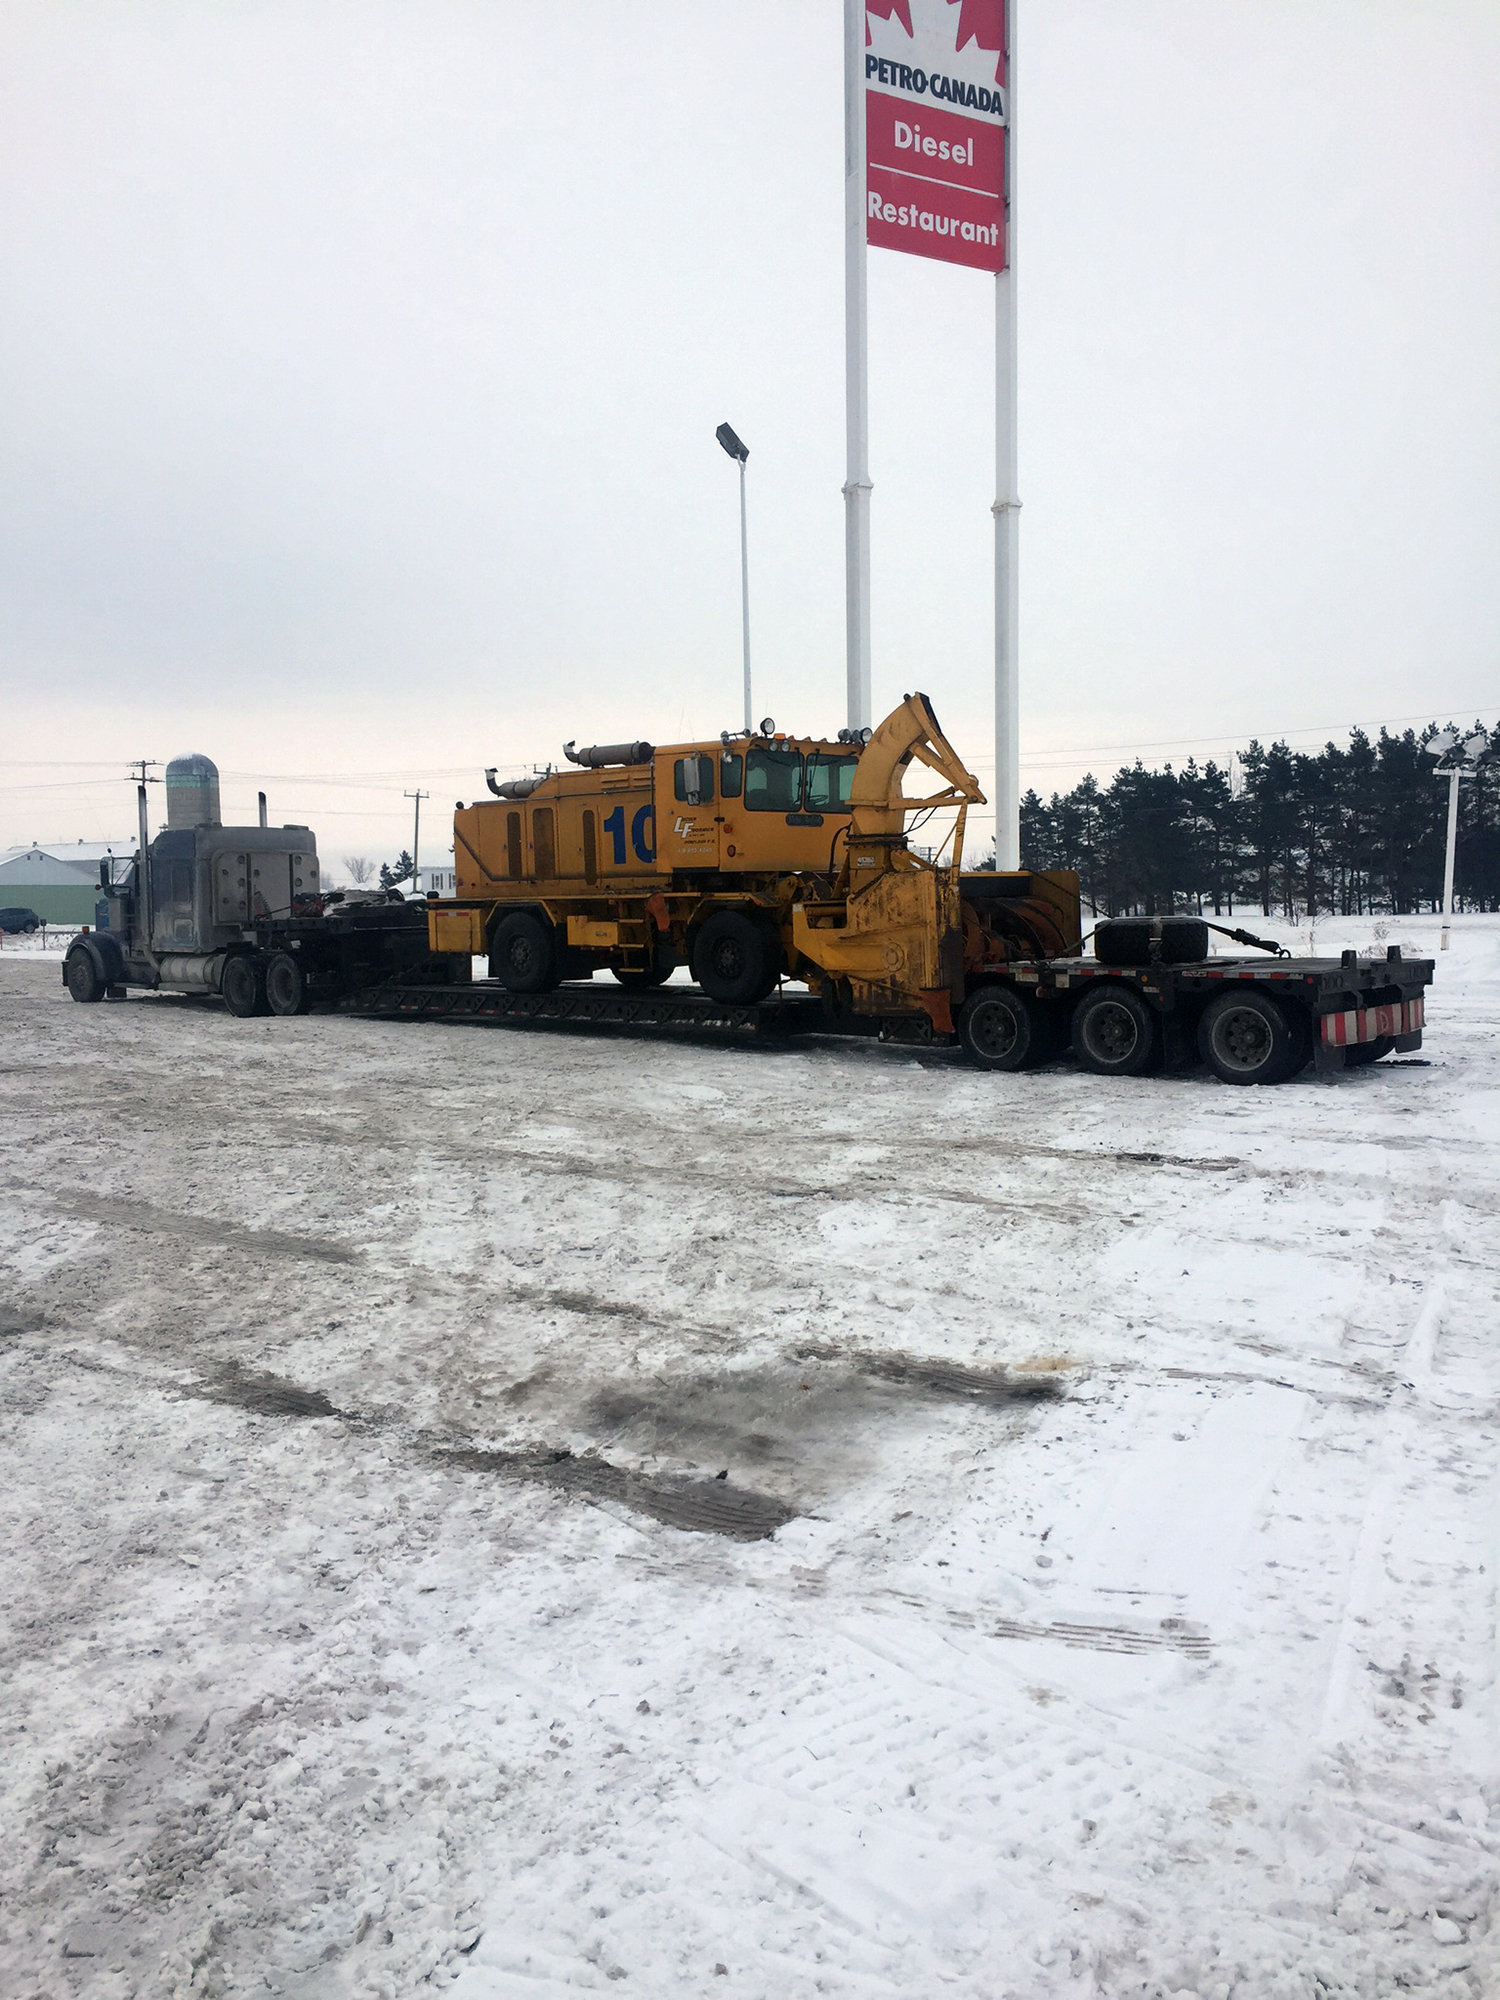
x=885, y=10
x=981, y=22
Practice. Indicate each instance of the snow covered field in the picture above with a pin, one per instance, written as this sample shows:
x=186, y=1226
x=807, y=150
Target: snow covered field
x=1100, y=1600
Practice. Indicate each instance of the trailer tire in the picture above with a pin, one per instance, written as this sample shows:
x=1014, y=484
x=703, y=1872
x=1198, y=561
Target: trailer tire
x=1115, y=1033
x=243, y=985
x=286, y=984
x=1245, y=1037
x=85, y=982
x=523, y=953
x=999, y=1028
x=1128, y=940
x=736, y=959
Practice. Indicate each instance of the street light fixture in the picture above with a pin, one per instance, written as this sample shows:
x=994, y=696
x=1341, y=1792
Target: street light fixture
x=740, y=452
x=1446, y=744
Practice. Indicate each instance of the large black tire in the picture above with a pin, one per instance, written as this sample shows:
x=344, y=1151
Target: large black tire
x=82, y=976
x=1128, y=941
x=523, y=953
x=736, y=958
x=286, y=984
x=999, y=1028
x=663, y=965
x=243, y=985
x=1246, y=1037
x=1115, y=1032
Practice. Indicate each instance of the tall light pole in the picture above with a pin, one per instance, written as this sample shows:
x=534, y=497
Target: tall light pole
x=1443, y=745
x=741, y=453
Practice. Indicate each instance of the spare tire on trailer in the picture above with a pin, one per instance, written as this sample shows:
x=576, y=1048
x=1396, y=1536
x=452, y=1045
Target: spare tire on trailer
x=1129, y=941
x=1116, y=1032
x=1246, y=1036
x=736, y=958
x=1001, y=1028
x=523, y=953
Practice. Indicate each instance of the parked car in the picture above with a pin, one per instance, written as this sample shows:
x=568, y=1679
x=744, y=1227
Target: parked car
x=18, y=919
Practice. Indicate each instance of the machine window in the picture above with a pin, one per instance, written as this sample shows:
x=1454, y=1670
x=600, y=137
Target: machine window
x=773, y=781
x=829, y=783
x=693, y=779
x=731, y=774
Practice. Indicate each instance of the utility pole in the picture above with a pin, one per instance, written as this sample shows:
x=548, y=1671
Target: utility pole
x=140, y=771
x=1441, y=746
x=416, y=831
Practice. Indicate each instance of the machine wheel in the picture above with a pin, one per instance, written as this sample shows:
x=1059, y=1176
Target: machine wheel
x=1359, y=1055
x=1246, y=1037
x=663, y=965
x=286, y=984
x=999, y=1028
x=736, y=959
x=84, y=981
x=523, y=955
x=1115, y=1033
x=243, y=985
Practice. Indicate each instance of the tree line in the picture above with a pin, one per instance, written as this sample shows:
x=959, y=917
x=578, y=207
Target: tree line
x=1348, y=832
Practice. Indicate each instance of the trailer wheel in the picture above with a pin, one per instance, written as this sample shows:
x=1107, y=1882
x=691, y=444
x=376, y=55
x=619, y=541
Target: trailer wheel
x=999, y=1028
x=243, y=985
x=286, y=984
x=736, y=960
x=1246, y=1038
x=523, y=955
x=1115, y=1033
x=83, y=977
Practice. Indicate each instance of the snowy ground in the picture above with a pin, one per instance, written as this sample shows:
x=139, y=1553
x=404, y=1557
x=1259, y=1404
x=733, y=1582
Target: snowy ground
x=1129, y=1626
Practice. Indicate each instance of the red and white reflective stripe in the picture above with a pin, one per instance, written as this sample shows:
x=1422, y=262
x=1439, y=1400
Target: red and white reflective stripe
x=1370, y=1024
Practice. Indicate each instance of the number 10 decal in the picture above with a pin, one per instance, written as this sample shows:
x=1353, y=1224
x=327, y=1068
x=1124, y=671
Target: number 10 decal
x=642, y=834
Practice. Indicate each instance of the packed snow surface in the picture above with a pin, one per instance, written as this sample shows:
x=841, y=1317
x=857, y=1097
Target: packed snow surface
x=527, y=1511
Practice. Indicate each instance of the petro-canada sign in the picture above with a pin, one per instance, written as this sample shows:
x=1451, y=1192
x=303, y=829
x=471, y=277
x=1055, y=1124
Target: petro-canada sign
x=935, y=114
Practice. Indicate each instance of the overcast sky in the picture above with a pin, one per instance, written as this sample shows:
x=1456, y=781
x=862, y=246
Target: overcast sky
x=360, y=365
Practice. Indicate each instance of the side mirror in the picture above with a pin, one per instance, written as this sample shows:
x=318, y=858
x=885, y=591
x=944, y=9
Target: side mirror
x=104, y=881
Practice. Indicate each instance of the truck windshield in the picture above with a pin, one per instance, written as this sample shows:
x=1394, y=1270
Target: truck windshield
x=773, y=781
x=828, y=783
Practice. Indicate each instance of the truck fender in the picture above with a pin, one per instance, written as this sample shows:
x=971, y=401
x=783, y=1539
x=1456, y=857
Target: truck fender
x=104, y=951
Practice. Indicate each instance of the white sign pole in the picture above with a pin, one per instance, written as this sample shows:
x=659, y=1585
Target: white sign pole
x=856, y=375
x=1007, y=507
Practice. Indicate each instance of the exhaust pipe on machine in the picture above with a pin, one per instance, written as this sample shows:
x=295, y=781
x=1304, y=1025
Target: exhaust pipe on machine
x=599, y=754
x=512, y=788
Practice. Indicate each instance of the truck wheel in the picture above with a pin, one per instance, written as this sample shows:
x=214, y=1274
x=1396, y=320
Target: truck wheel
x=523, y=956
x=1246, y=1038
x=82, y=975
x=999, y=1028
x=1115, y=1033
x=243, y=985
x=736, y=959
x=286, y=984
x=663, y=965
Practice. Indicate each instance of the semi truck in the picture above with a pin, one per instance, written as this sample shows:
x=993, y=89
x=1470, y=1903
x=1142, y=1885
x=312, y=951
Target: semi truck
x=779, y=871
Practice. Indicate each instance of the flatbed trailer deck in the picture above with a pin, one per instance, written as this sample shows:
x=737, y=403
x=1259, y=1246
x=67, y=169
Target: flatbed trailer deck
x=1343, y=1011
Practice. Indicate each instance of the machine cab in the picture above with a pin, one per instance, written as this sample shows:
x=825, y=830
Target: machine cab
x=752, y=804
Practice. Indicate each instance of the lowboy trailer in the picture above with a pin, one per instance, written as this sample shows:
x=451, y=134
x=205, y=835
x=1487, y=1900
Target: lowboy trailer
x=778, y=869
